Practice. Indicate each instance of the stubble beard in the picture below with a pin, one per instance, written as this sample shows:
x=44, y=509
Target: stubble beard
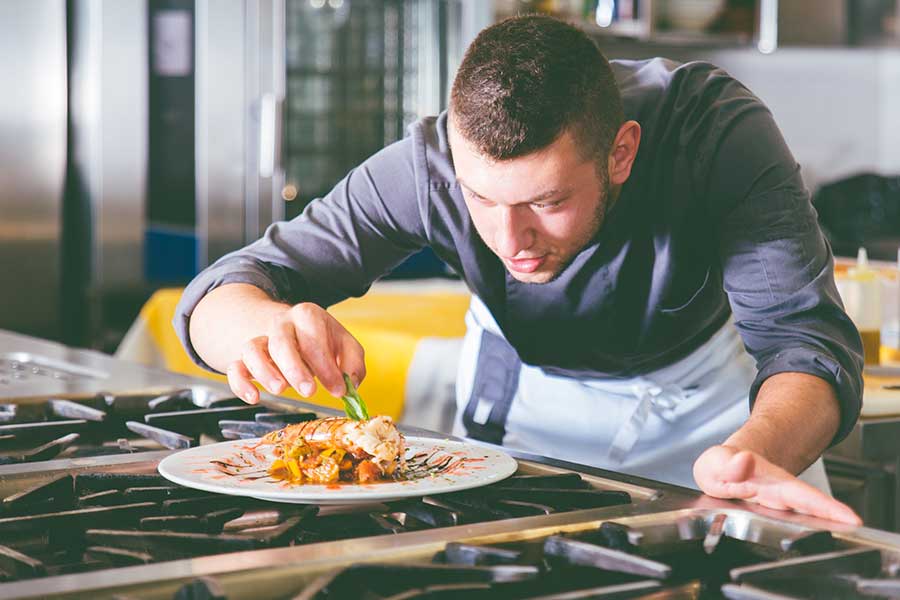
x=599, y=217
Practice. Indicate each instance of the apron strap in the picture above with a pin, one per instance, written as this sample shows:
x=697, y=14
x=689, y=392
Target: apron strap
x=659, y=399
x=493, y=389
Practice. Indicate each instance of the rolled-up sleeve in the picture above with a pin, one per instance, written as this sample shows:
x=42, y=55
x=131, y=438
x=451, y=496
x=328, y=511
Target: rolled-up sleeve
x=778, y=270
x=368, y=224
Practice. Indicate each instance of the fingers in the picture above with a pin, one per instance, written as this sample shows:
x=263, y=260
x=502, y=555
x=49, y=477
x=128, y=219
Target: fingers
x=838, y=511
x=711, y=475
x=302, y=344
x=743, y=490
x=239, y=380
x=799, y=496
x=257, y=360
x=781, y=490
x=285, y=354
x=313, y=328
x=723, y=472
x=352, y=358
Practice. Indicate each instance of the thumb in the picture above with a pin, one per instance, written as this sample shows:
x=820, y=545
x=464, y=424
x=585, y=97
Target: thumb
x=739, y=467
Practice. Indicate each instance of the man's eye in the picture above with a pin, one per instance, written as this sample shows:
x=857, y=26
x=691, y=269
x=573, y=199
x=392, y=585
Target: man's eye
x=480, y=200
x=546, y=205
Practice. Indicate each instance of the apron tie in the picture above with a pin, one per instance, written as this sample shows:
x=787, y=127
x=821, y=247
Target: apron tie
x=652, y=397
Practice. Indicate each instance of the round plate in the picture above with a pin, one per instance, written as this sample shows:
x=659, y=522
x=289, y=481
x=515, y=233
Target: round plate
x=238, y=468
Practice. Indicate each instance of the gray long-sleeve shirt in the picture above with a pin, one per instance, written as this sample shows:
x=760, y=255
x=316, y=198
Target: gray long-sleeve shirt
x=714, y=220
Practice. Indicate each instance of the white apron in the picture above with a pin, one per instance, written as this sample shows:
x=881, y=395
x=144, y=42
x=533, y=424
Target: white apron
x=653, y=426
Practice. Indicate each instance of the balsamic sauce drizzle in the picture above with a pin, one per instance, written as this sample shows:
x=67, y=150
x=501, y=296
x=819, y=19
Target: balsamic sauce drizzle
x=249, y=465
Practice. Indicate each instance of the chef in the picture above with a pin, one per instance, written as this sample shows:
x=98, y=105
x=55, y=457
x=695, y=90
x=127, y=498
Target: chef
x=651, y=292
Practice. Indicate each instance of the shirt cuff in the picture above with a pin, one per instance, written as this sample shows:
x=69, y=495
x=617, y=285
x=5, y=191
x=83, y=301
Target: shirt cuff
x=847, y=384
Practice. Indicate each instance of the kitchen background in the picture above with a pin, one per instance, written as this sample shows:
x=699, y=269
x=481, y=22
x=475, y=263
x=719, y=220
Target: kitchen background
x=139, y=140
x=142, y=139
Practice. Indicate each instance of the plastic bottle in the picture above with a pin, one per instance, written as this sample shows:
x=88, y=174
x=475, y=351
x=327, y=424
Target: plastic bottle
x=861, y=293
x=890, y=316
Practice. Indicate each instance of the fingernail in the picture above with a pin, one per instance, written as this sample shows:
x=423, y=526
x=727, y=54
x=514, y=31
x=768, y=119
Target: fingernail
x=250, y=397
x=306, y=389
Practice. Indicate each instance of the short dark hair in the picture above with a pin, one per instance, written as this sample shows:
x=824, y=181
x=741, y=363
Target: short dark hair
x=526, y=80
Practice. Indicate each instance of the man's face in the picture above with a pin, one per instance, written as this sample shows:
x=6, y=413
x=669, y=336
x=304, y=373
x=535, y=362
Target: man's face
x=535, y=212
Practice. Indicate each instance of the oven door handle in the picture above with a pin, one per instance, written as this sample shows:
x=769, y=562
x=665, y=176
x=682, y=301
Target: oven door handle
x=268, y=140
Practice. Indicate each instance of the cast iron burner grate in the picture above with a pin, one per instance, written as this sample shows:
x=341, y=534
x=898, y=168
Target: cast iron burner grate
x=124, y=423
x=96, y=521
x=614, y=562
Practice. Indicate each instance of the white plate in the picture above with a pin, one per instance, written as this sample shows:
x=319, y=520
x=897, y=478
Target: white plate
x=467, y=466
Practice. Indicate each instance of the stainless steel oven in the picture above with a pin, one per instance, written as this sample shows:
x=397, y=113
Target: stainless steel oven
x=150, y=138
x=292, y=94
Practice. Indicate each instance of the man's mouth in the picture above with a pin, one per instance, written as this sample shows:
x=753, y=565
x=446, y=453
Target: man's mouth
x=524, y=265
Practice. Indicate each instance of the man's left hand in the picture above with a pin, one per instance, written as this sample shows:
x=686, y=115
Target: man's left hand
x=727, y=472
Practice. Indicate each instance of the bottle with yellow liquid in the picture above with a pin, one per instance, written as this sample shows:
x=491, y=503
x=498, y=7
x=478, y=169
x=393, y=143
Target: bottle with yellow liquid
x=890, y=315
x=861, y=292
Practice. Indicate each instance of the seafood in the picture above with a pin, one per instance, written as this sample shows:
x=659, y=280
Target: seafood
x=337, y=449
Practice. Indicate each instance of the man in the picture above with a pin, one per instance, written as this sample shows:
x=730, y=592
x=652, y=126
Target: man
x=626, y=230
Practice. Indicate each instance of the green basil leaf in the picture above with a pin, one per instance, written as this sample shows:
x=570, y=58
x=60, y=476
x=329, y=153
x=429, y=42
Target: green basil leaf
x=354, y=405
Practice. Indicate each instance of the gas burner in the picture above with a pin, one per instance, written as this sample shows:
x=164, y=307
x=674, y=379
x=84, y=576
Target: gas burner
x=680, y=557
x=547, y=533
x=91, y=521
x=114, y=423
x=556, y=530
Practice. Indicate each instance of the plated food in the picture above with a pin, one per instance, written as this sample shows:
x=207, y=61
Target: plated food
x=322, y=461
x=432, y=465
x=337, y=449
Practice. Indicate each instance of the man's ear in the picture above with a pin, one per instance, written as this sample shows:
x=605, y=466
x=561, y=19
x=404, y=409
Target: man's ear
x=624, y=151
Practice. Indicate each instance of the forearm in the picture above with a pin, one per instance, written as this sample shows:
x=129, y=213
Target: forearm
x=226, y=318
x=794, y=418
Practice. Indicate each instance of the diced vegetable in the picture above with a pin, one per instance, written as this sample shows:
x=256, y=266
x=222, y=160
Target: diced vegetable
x=295, y=469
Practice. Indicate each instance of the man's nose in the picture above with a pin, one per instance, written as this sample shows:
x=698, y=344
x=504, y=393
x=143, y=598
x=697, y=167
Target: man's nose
x=514, y=233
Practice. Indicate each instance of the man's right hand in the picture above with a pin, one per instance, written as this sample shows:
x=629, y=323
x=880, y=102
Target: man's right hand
x=238, y=329
x=302, y=343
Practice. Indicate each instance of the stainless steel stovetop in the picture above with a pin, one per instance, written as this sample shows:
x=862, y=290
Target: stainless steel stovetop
x=106, y=527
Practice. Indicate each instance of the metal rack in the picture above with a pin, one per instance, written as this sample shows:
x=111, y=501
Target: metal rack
x=357, y=75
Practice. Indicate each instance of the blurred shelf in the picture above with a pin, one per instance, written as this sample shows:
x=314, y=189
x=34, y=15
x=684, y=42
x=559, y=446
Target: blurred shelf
x=636, y=31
